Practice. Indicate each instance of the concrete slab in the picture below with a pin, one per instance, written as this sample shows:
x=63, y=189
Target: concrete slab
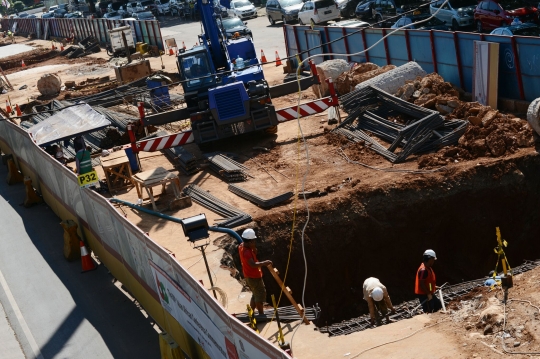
x=14, y=49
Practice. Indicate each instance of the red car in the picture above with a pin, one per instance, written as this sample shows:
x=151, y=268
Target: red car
x=490, y=14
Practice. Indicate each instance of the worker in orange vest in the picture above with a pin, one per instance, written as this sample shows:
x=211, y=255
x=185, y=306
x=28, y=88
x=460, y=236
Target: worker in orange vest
x=251, y=267
x=425, y=285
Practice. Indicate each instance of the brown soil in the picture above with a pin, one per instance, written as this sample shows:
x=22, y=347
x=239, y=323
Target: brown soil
x=478, y=319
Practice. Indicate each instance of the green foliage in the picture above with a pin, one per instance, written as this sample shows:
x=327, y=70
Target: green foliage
x=28, y=3
x=18, y=6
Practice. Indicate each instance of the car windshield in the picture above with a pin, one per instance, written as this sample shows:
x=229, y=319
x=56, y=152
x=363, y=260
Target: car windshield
x=456, y=4
x=516, y=4
x=231, y=23
x=145, y=15
x=324, y=3
x=196, y=66
x=339, y=2
x=287, y=3
x=241, y=3
x=527, y=31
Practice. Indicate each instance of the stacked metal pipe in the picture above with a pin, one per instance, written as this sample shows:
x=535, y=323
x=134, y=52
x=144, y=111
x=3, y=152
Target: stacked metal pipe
x=227, y=168
x=286, y=314
x=233, y=216
x=424, y=130
x=259, y=201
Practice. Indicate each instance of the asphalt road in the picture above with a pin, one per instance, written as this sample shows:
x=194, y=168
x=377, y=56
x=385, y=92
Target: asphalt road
x=55, y=310
x=266, y=37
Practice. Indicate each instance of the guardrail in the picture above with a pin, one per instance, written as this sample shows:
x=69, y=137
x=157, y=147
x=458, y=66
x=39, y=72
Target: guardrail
x=448, y=53
x=143, y=31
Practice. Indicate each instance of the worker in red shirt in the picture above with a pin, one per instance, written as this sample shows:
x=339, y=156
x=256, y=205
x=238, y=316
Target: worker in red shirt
x=251, y=268
x=425, y=285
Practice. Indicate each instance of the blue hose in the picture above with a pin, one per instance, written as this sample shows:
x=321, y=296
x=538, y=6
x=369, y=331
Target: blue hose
x=174, y=219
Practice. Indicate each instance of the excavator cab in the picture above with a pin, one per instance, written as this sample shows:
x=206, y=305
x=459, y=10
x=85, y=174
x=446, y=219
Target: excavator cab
x=196, y=69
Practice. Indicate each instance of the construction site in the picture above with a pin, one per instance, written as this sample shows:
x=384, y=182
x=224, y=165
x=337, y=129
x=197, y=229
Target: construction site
x=367, y=167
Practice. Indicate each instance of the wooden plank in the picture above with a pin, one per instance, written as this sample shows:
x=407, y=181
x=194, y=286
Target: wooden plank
x=288, y=294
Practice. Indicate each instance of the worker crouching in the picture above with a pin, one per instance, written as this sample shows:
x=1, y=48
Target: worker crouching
x=251, y=268
x=376, y=295
x=425, y=285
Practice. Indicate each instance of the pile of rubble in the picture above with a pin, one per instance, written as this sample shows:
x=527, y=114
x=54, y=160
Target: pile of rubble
x=347, y=81
x=490, y=133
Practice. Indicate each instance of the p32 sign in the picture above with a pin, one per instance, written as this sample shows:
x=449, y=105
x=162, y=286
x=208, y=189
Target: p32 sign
x=88, y=179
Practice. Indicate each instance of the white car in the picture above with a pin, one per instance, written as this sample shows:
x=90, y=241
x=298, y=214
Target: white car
x=243, y=9
x=318, y=11
x=456, y=13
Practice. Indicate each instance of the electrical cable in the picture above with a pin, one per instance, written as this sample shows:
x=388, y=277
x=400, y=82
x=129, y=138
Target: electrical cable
x=504, y=327
x=306, y=172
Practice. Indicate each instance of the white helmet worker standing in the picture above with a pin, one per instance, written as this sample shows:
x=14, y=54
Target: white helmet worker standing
x=426, y=283
x=376, y=295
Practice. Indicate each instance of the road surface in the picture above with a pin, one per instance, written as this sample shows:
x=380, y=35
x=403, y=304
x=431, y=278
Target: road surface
x=55, y=310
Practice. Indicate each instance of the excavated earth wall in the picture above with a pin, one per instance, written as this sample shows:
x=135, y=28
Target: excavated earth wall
x=382, y=232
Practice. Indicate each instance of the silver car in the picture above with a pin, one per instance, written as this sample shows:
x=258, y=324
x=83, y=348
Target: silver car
x=455, y=13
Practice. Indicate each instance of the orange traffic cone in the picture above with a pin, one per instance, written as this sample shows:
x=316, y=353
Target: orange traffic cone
x=263, y=57
x=62, y=47
x=171, y=52
x=278, y=60
x=52, y=45
x=23, y=64
x=183, y=45
x=18, y=110
x=8, y=107
x=86, y=260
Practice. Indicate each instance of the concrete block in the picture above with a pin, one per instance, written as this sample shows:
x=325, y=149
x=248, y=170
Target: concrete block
x=392, y=80
x=14, y=176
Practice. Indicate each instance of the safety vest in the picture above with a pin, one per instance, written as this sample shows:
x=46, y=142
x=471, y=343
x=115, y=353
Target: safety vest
x=430, y=280
x=85, y=161
x=249, y=271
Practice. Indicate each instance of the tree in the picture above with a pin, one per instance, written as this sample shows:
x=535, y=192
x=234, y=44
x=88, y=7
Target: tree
x=28, y=3
x=18, y=6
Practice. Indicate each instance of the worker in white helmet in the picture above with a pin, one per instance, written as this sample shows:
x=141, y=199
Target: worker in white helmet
x=425, y=285
x=376, y=295
x=251, y=268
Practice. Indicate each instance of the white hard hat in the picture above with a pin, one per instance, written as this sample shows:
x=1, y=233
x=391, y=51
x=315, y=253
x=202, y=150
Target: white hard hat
x=377, y=294
x=249, y=234
x=430, y=253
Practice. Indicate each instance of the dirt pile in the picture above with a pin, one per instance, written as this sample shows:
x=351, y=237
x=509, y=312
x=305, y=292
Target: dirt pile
x=484, y=326
x=360, y=73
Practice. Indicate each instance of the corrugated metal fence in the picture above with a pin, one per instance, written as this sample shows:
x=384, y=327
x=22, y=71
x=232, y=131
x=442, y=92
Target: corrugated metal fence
x=143, y=31
x=448, y=53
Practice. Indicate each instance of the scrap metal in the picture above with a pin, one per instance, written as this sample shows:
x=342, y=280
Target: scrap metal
x=259, y=201
x=424, y=130
x=287, y=313
x=228, y=168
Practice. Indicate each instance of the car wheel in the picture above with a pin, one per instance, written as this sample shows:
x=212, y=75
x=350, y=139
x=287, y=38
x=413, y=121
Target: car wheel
x=284, y=20
x=455, y=26
x=272, y=22
x=351, y=13
x=479, y=27
x=300, y=22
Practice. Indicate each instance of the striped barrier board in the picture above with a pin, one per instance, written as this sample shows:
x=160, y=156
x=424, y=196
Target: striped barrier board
x=306, y=109
x=161, y=143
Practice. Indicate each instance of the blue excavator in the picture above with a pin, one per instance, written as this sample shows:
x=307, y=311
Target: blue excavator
x=224, y=86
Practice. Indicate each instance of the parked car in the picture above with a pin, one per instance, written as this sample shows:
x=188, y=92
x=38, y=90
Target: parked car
x=52, y=8
x=243, y=9
x=364, y=10
x=527, y=29
x=431, y=24
x=60, y=13
x=112, y=16
x=219, y=9
x=234, y=24
x=74, y=15
x=385, y=12
x=130, y=8
x=48, y=15
x=147, y=5
x=490, y=14
x=455, y=13
x=143, y=15
x=318, y=11
x=351, y=23
x=31, y=16
x=22, y=15
x=283, y=10
x=347, y=8
x=163, y=6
